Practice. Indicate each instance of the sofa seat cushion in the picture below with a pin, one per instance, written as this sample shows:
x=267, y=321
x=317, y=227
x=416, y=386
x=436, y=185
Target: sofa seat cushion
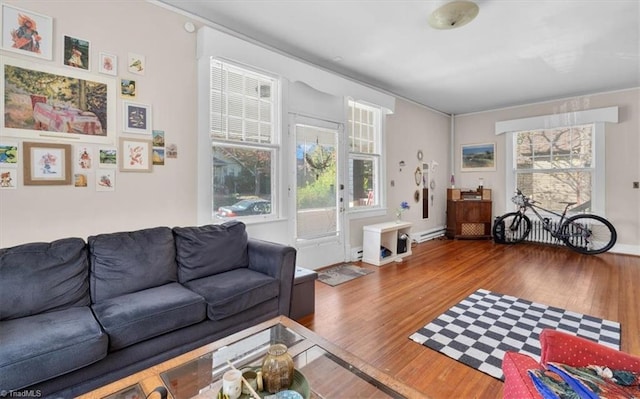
x=40, y=347
x=145, y=314
x=232, y=292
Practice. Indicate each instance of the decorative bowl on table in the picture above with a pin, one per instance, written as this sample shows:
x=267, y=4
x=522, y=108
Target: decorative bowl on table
x=300, y=385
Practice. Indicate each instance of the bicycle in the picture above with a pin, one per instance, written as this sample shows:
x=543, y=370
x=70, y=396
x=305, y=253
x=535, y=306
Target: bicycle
x=583, y=233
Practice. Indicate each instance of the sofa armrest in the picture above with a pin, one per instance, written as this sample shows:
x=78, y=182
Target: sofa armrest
x=278, y=261
x=580, y=352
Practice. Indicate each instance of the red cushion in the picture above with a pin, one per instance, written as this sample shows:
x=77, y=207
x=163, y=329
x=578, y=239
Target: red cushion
x=517, y=383
x=562, y=348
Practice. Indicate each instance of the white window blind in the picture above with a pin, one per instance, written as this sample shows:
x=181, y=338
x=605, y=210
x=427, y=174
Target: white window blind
x=242, y=104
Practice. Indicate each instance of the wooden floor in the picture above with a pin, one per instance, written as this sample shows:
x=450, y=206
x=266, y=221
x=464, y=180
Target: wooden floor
x=373, y=316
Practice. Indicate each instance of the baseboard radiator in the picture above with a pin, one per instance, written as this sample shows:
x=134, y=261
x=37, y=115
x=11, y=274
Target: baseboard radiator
x=540, y=235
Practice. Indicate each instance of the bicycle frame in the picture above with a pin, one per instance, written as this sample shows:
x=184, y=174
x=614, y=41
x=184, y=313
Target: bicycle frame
x=528, y=204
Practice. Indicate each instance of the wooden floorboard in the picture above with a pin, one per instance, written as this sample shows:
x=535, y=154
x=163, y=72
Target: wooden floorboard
x=373, y=316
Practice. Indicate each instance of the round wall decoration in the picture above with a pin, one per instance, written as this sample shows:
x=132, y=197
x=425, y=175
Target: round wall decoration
x=419, y=155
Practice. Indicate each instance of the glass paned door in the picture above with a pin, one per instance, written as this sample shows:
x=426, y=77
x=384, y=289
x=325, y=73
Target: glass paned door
x=318, y=193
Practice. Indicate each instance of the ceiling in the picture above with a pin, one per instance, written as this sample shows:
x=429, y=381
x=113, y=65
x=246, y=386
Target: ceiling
x=515, y=52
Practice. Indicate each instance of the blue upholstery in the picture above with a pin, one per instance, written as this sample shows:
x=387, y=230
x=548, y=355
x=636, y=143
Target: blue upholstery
x=141, y=315
x=74, y=317
x=60, y=266
x=234, y=291
x=44, y=346
x=122, y=263
x=212, y=249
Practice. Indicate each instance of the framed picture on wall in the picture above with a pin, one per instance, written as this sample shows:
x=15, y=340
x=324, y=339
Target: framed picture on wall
x=478, y=157
x=136, y=118
x=42, y=101
x=108, y=64
x=46, y=164
x=76, y=53
x=135, y=155
x=27, y=32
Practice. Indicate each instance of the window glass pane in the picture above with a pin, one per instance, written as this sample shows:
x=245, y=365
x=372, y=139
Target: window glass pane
x=364, y=134
x=241, y=181
x=554, y=165
x=550, y=189
x=362, y=176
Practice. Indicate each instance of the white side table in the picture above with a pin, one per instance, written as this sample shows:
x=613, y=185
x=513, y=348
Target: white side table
x=378, y=237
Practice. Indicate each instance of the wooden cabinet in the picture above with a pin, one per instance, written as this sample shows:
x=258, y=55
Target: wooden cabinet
x=386, y=242
x=468, y=218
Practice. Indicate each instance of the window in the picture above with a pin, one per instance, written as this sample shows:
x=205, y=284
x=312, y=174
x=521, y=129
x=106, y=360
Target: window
x=243, y=109
x=556, y=165
x=363, y=129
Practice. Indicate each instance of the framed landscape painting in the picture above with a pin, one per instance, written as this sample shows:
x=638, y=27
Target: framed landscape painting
x=41, y=101
x=478, y=157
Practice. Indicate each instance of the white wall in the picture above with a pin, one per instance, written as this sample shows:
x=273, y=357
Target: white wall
x=164, y=197
x=622, y=161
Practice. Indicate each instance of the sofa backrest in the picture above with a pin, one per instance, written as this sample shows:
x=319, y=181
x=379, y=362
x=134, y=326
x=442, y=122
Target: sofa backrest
x=126, y=262
x=207, y=250
x=43, y=277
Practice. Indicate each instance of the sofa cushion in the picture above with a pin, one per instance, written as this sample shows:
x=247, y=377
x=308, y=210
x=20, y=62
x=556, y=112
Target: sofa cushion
x=141, y=315
x=232, y=292
x=40, y=347
x=126, y=262
x=207, y=250
x=43, y=277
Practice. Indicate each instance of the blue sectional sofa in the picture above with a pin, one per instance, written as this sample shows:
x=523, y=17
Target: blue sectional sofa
x=75, y=316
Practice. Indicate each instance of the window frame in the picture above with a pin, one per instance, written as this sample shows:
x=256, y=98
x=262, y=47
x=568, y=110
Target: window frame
x=376, y=156
x=597, y=169
x=273, y=145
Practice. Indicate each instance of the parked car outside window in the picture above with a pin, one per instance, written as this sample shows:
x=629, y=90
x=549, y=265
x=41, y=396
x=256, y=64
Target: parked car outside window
x=245, y=207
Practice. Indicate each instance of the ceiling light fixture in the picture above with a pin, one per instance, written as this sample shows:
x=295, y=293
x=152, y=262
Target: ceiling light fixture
x=453, y=15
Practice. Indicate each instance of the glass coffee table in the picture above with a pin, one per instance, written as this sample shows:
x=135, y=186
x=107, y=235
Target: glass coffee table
x=329, y=371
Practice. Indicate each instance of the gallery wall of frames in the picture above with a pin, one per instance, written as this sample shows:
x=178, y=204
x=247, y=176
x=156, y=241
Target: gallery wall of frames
x=93, y=114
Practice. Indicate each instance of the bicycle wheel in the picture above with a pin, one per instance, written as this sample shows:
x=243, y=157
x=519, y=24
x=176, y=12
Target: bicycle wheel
x=588, y=234
x=516, y=227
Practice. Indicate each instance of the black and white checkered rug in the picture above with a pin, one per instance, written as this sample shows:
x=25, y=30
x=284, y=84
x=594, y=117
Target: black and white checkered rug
x=482, y=327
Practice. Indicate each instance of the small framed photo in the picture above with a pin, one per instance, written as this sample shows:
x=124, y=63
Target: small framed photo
x=47, y=164
x=478, y=157
x=158, y=155
x=128, y=88
x=84, y=157
x=27, y=32
x=76, y=52
x=108, y=64
x=135, y=155
x=105, y=180
x=107, y=157
x=136, y=64
x=8, y=179
x=137, y=118
x=8, y=154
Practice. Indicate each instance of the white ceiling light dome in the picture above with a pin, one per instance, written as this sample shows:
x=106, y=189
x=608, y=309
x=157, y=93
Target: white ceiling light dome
x=453, y=15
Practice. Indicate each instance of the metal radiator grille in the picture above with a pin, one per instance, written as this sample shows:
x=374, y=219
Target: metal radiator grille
x=540, y=235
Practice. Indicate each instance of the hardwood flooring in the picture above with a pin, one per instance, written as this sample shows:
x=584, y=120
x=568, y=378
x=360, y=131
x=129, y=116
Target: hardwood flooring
x=373, y=316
